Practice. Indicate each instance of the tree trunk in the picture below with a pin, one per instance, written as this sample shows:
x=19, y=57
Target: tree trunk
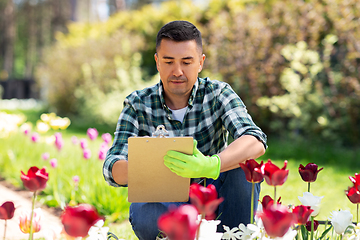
x=120, y=5
x=32, y=38
x=10, y=26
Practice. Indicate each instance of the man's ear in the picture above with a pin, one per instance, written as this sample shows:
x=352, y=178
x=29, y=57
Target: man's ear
x=157, y=61
x=202, y=60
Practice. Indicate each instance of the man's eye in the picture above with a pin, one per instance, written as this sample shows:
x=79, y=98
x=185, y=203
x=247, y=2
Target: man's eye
x=187, y=63
x=168, y=62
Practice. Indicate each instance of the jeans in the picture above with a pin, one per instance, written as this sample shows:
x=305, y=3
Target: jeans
x=235, y=209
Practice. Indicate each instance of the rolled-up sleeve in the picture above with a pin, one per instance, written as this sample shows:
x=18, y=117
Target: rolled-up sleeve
x=236, y=118
x=127, y=126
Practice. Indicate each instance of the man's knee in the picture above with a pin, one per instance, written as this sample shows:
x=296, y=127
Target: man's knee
x=143, y=218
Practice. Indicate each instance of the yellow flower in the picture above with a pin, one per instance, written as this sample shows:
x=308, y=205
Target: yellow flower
x=47, y=117
x=42, y=127
x=25, y=218
x=60, y=123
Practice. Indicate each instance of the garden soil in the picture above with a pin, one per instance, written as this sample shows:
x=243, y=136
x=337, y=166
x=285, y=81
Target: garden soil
x=22, y=199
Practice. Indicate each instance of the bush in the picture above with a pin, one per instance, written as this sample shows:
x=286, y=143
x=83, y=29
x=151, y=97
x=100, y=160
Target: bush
x=86, y=74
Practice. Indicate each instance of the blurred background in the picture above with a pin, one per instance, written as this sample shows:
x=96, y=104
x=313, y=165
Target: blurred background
x=295, y=64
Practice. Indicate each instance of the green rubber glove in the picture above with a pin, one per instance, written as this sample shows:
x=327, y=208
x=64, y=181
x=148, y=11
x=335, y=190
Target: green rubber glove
x=193, y=166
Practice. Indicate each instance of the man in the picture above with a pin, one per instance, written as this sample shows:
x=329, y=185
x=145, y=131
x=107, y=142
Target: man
x=189, y=106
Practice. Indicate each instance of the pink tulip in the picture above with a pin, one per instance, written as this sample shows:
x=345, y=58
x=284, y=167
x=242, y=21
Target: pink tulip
x=92, y=133
x=87, y=153
x=54, y=163
x=76, y=179
x=106, y=137
x=102, y=153
x=74, y=140
x=26, y=131
x=35, y=137
x=59, y=142
x=45, y=156
x=83, y=143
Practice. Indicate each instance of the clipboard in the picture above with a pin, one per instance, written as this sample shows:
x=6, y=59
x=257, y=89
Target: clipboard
x=149, y=180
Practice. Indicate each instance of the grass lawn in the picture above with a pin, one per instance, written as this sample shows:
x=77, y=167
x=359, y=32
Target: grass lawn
x=18, y=153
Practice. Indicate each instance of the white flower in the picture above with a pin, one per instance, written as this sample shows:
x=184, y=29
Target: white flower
x=231, y=234
x=52, y=233
x=309, y=199
x=289, y=235
x=98, y=232
x=341, y=220
x=247, y=232
x=208, y=229
x=356, y=234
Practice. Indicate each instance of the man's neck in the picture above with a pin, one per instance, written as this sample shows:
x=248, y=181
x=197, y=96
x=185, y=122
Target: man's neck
x=176, y=102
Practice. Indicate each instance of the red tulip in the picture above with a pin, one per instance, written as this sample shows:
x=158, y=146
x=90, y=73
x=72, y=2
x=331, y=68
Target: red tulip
x=252, y=170
x=353, y=194
x=309, y=172
x=268, y=201
x=274, y=176
x=276, y=220
x=302, y=214
x=356, y=181
x=36, y=179
x=180, y=223
x=7, y=210
x=205, y=199
x=308, y=225
x=78, y=220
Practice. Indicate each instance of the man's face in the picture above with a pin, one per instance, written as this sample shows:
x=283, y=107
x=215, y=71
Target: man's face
x=178, y=64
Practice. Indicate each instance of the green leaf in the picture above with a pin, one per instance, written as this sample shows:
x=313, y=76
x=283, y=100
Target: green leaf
x=324, y=233
x=304, y=232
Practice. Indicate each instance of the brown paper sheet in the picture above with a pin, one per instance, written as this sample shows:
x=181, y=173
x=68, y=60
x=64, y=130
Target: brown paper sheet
x=149, y=180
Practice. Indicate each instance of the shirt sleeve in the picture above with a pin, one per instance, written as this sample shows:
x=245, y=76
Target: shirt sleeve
x=236, y=118
x=127, y=126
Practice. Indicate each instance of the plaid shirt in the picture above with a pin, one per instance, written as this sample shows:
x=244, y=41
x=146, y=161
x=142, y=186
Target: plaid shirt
x=214, y=110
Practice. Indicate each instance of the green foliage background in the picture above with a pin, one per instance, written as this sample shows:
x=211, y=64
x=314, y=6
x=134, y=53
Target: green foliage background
x=312, y=90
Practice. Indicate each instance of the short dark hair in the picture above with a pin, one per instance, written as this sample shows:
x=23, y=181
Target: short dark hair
x=179, y=31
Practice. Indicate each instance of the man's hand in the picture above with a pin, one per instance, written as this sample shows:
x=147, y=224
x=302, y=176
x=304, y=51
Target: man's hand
x=193, y=166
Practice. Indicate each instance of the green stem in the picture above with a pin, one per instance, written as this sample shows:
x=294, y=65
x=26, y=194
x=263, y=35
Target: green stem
x=252, y=204
x=274, y=195
x=312, y=228
x=357, y=213
x=308, y=186
x=32, y=216
x=5, y=228
x=198, y=230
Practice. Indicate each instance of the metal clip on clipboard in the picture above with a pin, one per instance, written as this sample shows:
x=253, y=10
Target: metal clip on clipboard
x=160, y=132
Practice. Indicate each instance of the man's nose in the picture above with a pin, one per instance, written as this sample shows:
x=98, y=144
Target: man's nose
x=177, y=71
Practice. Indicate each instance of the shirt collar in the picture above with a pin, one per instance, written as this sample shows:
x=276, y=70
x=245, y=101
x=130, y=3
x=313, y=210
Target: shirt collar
x=191, y=98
